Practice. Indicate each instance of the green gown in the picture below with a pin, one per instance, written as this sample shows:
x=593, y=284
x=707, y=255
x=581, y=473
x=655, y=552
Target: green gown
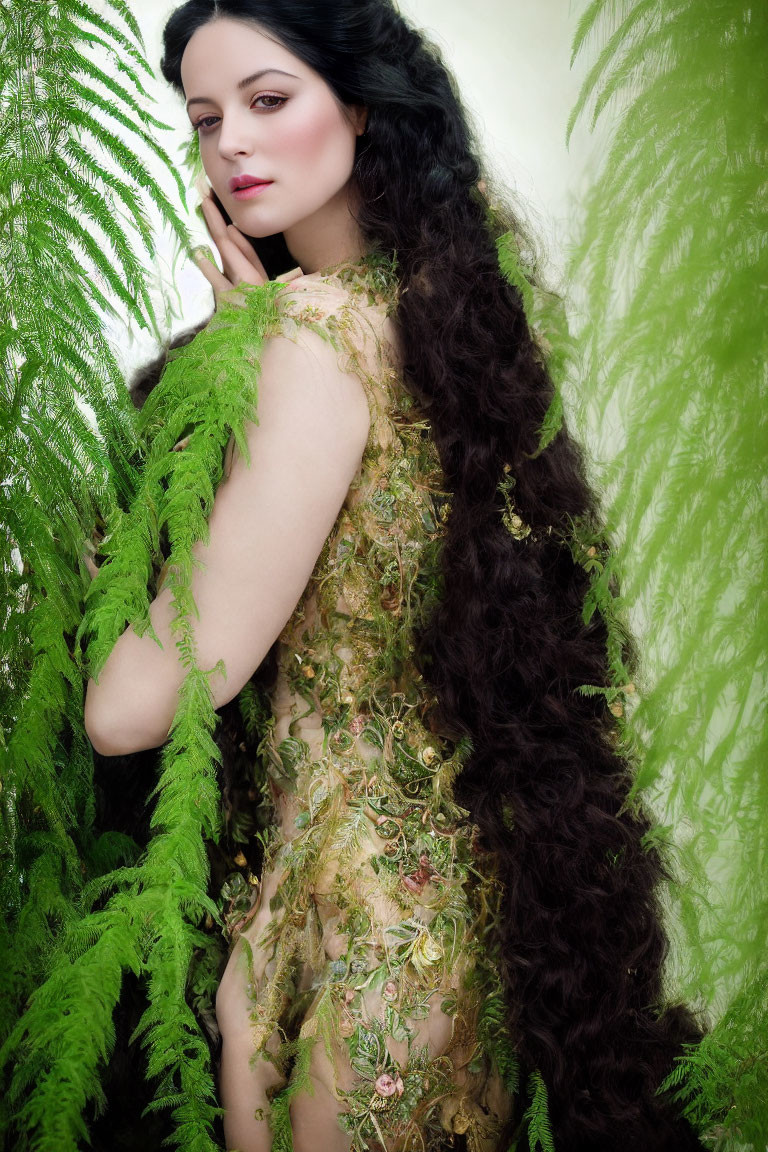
x=367, y=953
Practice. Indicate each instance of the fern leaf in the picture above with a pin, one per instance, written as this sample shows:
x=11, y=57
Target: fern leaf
x=537, y=1116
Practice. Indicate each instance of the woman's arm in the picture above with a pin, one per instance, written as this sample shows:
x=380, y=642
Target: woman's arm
x=267, y=527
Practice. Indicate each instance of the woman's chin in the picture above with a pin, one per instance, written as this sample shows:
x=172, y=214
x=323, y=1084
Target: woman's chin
x=252, y=229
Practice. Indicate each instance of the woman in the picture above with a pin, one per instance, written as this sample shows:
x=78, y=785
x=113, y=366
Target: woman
x=450, y=814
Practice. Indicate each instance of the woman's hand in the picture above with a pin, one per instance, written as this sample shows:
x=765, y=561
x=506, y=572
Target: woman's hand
x=238, y=257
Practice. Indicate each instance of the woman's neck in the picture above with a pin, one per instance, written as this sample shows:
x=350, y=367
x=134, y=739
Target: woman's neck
x=329, y=237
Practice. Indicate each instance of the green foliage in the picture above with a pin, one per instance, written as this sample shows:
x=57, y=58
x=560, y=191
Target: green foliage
x=494, y=1034
x=548, y=320
x=723, y=1082
x=70, y=1014
x=83, y=906
x=511, y=267
x=55, y=470
x=206, y=392
x=670, y=274
x=149, y=924
x=537, y=1116
x=280, y=1119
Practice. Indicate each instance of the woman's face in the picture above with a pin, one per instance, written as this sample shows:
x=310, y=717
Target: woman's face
x=263, y=114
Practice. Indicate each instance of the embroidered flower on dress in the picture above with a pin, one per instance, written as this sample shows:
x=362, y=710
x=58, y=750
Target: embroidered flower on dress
x=426, y=951
x=386, y=1085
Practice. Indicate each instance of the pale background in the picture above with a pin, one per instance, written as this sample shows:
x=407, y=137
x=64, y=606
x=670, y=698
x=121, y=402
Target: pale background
x=511, y=59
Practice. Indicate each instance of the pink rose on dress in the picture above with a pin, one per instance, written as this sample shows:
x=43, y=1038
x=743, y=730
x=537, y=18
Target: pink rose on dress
x=386, y=1085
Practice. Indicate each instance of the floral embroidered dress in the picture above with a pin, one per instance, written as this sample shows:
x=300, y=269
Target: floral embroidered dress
x=368, y=948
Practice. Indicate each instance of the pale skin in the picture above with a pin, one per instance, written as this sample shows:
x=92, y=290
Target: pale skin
x=270, y=519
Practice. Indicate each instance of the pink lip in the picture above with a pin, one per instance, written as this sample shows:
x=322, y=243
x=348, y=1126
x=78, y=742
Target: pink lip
x=251, y=191
x=245, y=179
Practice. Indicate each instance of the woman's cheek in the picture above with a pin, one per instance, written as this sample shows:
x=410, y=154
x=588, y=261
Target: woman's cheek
x=320, y=146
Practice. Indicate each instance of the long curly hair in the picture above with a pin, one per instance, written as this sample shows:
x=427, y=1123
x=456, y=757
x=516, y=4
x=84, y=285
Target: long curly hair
x=581, y=944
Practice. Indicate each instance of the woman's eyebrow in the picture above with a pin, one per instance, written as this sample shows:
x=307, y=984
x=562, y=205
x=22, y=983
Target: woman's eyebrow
x=243, y=84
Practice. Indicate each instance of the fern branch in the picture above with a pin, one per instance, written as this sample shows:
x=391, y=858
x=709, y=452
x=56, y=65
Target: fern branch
x=672, y=265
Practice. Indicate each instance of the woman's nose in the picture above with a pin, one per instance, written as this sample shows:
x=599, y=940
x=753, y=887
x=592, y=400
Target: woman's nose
x=235, y=136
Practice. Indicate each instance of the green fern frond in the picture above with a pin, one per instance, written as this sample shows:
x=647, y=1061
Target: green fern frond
x=71, y=1013
x=81, y=159
x=124, y=10
x=536, y=1116
x=547, y=317
x=91, y=98
x=280, y=1119
x=76, y=32
x=509, y=262
x=128, y=162
x=494, y=1035
x=671, y=264
x=729, y=1058
x=586, y=23
x=57, y=475
x=84, y=64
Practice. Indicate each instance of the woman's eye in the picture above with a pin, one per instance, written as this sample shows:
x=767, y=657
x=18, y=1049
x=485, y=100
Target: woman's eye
x=279, y=101
x=208, y=123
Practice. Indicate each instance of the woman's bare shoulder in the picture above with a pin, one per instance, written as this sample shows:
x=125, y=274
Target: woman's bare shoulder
x=348, y=306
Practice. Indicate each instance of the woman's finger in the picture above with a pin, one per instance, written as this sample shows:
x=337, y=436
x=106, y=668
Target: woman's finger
x=220, y=284
x=247, y=249
x=214, y=221
x=287, y=277
x=238, y=265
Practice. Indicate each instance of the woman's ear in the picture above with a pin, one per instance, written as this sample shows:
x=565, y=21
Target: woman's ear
x=359, y=118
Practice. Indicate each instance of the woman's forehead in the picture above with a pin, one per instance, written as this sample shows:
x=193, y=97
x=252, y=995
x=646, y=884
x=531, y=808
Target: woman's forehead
x=234, y=51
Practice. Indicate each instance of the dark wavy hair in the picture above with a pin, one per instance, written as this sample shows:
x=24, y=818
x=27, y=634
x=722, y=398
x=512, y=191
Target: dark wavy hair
x=581, y=941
